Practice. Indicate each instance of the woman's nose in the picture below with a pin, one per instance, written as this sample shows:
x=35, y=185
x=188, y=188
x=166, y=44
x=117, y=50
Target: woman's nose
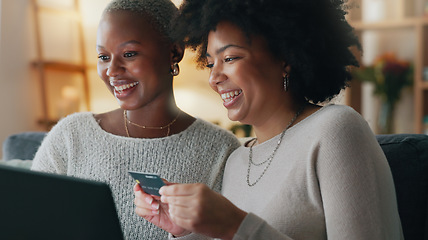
x=114, y=69
x=216, y=76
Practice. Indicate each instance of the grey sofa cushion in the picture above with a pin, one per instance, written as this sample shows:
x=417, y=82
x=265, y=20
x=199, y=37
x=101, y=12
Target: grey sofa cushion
x=22, y=145
x=407, y=156
x=26, y=164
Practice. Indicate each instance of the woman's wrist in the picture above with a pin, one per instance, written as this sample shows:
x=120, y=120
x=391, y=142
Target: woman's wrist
x=237, y=219
x=184, y=233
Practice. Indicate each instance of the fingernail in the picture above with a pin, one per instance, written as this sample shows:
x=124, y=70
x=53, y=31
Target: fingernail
x=155, y=205
x=149, y=200
x=155, y=212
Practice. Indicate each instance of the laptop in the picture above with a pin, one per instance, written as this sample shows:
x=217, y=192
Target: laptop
x=36, y=205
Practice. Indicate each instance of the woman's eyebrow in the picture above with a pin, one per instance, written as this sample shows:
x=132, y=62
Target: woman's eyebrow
x=222, y=49
x=130, y=42
x=124, y=43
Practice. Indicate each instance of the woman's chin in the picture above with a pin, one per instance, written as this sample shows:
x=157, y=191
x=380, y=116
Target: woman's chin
x=234, y=116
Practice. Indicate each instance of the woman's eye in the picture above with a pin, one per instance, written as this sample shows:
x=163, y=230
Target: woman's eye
x=129, y=54
x=210, y=65
x=229, y=59
x=103, y=57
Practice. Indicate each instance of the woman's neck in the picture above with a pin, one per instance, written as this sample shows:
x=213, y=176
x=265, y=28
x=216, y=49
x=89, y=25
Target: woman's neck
x=153, y=116
x=281, y=119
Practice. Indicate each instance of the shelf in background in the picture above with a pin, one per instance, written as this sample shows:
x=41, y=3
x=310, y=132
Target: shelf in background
x=384, y=25
x=390, y=24
x=59, y=66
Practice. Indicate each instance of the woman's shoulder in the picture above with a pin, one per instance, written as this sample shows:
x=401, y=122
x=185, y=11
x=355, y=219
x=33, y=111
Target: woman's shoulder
x=333, y=120
x=74, y=122
x=339, y=110
x=333, y=114
x=76, y=117
x=68, y=128
x=343, y=121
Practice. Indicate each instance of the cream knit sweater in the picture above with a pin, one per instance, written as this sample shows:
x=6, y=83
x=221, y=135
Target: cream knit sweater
x=329, y=179
x=77, y=146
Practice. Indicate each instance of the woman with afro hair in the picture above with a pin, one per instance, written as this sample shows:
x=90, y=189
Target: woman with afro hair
x=315, y=170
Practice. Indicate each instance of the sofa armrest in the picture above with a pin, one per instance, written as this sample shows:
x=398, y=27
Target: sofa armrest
x=26, y=164
x=22, y=145
x=407, y=155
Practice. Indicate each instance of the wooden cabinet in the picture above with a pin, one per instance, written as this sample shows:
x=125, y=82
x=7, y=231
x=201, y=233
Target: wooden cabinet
x=411, y=17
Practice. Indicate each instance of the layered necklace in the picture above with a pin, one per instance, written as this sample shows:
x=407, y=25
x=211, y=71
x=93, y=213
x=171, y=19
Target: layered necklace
x=127, y=121
x=270, y=158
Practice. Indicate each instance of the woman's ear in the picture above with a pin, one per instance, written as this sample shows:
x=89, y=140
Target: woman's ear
x=286, y=68
x=177, y=52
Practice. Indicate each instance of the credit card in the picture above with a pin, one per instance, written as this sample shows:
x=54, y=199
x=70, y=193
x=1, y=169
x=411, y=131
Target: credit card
x=149, y=182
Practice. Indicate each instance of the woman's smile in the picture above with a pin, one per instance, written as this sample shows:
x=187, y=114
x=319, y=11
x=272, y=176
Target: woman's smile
x=230, y=97
x=123, y=89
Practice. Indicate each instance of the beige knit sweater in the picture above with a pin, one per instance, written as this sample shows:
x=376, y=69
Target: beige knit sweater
x=329, y=179
x=77, y=146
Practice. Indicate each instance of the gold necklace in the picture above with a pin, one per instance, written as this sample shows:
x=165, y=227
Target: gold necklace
x=270, y=158
x=126, y=121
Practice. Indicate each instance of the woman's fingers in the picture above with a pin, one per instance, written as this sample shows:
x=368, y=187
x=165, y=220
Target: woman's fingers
x=137, y=187
x=144, y=212
x=197, y=208
x=167, y=183
x=145, y=204
x=183, y=190
x=186, y=201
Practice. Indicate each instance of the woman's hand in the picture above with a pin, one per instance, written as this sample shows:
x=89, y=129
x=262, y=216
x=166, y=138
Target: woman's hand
x=197, y=208
x=150, y=208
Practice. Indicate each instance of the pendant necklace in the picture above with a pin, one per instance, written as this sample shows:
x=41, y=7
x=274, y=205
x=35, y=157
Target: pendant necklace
x=127, y=121
x=270, y=158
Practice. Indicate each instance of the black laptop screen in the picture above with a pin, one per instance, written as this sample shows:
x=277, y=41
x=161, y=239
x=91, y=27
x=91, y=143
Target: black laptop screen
x=36, y=205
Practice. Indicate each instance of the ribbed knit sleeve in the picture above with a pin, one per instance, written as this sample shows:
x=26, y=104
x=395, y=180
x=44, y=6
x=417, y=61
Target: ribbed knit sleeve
x=77, y=146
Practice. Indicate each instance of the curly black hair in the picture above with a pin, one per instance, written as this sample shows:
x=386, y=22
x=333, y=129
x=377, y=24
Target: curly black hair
x=312, y=36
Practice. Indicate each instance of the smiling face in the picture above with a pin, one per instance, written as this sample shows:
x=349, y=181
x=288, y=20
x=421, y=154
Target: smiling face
x=134, y=59
x=247, y=76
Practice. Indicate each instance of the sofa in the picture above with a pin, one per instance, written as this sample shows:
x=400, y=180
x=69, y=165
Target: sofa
x=407, y=155
x=19, y=149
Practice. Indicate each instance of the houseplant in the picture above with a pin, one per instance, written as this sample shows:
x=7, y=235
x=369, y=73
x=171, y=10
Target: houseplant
x=389, y=75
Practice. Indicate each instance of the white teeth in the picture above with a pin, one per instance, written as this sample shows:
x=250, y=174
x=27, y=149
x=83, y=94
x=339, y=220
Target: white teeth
x=124, y=87
x=227, y=97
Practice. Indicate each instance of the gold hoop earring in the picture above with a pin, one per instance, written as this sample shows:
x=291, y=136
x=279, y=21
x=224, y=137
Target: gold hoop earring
x=175, y=69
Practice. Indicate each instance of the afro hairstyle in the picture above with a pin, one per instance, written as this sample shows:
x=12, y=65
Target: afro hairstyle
x=312, y=36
